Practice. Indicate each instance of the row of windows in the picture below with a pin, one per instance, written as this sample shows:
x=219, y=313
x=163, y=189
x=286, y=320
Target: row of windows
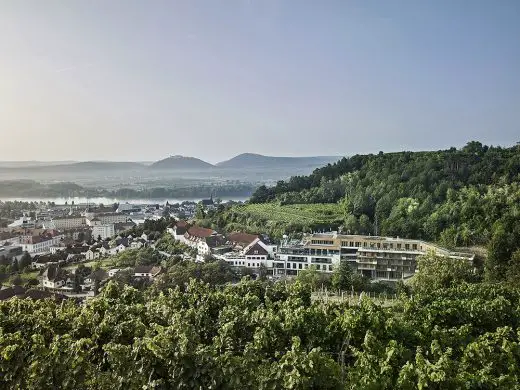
x=319, y=267
x=297, y=258
x=378, y=245
x=248, y=264
x=322, y=242
x=321, y=260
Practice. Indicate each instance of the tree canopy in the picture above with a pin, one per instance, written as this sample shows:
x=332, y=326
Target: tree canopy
x=258, y=335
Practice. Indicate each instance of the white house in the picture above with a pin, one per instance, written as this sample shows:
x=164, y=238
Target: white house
x=100, y=275
x=137, y=244
x=178, y=230
x=118, y=249
x=147, y=271
x=255, y=255
x=54, y=277
x=92, y=254
x=112, y=272
x=40, y=244
x=104, y=250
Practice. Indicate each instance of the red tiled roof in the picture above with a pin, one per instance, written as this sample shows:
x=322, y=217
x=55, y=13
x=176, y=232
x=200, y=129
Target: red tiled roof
x=242, y=238
x=200, y=232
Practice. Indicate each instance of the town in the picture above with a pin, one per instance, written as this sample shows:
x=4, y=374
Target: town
x=68, y=250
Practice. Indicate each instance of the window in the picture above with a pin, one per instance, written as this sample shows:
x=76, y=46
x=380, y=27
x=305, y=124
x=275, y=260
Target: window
x=322, y=242
x=299, y=266
x=330, y=267
x=318, y=266
x=407, y=246
x=255, y=252
x=398, y=246
x=294, y=265
x=414, y=246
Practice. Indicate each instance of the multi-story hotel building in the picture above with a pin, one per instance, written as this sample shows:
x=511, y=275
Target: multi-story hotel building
x=379, y=258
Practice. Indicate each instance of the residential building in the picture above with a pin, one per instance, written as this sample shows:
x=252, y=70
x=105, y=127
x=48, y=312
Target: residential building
x=112, y=272
x=103, y=231
x=137, y=244
x=129, y=208
x=202, y=239
x=121, y=227
x=40, y=243
x=104, y=250
x=206, y=245
x=92, y=254
x=10, y=251
x=240, y=240
x=255, y=255
x=147, y=271
x=178, y=230
x=24, y=222
x=118, y=249
x=67, y=222
x=22, y=293
x=53, y=277
x=108, y=218
x=99, y=275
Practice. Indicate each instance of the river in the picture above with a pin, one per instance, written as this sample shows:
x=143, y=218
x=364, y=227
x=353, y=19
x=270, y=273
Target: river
x=107, y=201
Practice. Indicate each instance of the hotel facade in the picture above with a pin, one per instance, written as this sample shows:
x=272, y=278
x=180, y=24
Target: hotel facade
x=379, y=258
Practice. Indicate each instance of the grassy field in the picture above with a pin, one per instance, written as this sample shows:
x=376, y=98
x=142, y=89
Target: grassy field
x=29, y=275
x=104, y=263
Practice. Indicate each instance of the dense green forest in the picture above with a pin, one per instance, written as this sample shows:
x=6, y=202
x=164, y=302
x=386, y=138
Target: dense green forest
x=457, y=197
x=450, y=333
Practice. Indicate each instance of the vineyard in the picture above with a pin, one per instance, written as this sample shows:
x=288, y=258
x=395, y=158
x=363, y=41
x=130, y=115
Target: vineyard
x=279, y=219
x=255, y=335
x=306, y=213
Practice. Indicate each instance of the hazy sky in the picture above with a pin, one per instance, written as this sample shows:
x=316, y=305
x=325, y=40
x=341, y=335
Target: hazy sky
x=144, y=79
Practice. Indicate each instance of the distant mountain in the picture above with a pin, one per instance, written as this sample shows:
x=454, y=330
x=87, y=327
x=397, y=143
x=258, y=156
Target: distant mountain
x=73, y=168
x=180, y=163
x=251, y=160
x=26, y=164
x=112, y=165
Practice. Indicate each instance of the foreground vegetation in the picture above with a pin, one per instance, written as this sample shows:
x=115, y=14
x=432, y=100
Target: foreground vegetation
x=259, y=335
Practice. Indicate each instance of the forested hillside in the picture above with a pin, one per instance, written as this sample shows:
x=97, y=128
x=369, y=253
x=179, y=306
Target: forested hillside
x=464, y=197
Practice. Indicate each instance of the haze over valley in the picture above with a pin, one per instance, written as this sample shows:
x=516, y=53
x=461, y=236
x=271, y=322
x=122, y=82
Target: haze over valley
x=186, y=177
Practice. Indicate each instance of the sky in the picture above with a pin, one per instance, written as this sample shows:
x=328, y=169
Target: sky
x=141, y=80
